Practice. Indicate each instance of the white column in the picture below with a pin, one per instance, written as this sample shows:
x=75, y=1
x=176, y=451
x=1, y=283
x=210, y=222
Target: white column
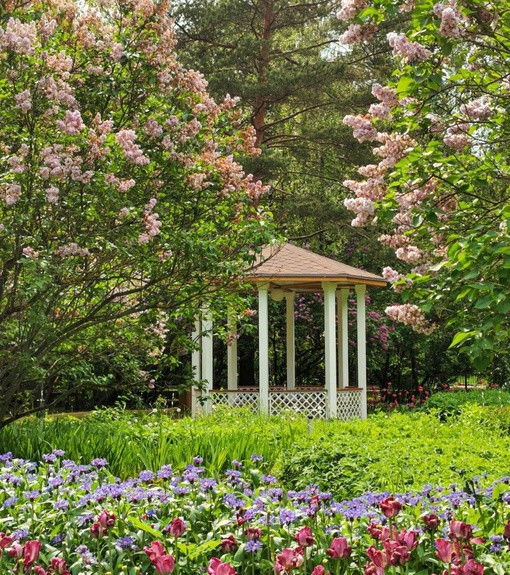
x=361, y=344
x=330, y=346
x=291, y=341
x=196, y=367
x=207, y=358
x=263, y=349
x=343, y=337
x=232, y=353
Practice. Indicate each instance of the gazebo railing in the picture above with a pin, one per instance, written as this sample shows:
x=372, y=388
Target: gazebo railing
x=310, y=401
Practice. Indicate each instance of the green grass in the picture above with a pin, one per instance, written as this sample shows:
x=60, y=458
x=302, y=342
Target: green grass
x=397, y=451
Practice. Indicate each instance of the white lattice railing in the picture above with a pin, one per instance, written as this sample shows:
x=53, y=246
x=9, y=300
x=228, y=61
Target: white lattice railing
x=311, y=402
x=349, y=403
x=236, y=398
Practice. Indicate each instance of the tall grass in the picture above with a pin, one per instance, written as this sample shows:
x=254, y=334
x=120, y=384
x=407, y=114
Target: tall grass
x=131, y=443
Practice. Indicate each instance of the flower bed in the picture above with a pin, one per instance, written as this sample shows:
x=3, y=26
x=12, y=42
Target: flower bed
x=61, y=517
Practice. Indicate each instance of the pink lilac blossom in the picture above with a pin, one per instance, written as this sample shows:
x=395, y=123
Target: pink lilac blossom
x=52, y=194
x=394, y=147
x=357, y=33
x=394, y=278
x=72, y=124
x=30, y=253
x=151, y=223
x=456, y=136
x=373, y=188
x=379, y=111
x=408, y=50
x=12, y=194
x=411, y=315
x=71, y=249
x=23, y=101
x=153, y=129
x=451, y=20
x=363, y=208
x=349, y=8
x=362, y=127
x=479, y=109
x=123, y=213
x=410, y=254
x=385, y=95
x=18, y=37
x=394, y=241
x=126, y=140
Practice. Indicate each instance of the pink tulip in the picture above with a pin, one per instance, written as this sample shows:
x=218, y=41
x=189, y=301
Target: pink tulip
x=289, y=559
x=339, y=549
x=58, y=566
x=444, y=550
x=177, y=527
x=16, y=550
x=473, y=568
x=40, y=570
x=216, y=567
x=31, y=553
x=390, y=507
x=377, y=557
x=396, y=554
x=319, y=570
x=155, y=550
x=164, y=564
x=408, y=538
x=304, y=537
x=460, y=530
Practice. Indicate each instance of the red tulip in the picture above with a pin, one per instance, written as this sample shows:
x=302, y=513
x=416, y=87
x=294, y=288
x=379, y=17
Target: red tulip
x=432, y=521
x=229, y=544
x=253, y=533
x=305, y=537
x=390, y=507
x=177, y=527
x=164, y=564
x=216, y=567
x=319, y=570
x=506, y=531
x=339, y=549
x=31, y=553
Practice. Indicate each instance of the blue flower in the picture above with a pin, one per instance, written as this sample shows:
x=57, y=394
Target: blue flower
x=253, y=546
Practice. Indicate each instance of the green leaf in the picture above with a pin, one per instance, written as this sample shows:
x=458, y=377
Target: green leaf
x=461, y=336
x=484, y=302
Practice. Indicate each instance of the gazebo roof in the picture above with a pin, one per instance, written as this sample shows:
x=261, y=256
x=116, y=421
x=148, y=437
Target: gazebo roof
x=289, y=267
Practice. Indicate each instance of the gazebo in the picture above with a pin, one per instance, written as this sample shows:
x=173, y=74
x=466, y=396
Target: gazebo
x=282, y=271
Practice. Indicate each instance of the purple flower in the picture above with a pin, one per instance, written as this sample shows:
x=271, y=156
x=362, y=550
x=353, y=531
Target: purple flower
x=146, y=475
x=253, y=546
x=99, y=462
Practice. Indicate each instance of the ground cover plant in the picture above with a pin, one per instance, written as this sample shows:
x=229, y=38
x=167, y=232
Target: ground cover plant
x=61, y=517
x=395, y=451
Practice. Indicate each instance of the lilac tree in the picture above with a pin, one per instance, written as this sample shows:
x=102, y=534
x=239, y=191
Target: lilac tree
x=440, y=129
x=122, y=203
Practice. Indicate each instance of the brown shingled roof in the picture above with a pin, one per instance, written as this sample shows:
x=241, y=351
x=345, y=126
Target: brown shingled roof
x=288, y=266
